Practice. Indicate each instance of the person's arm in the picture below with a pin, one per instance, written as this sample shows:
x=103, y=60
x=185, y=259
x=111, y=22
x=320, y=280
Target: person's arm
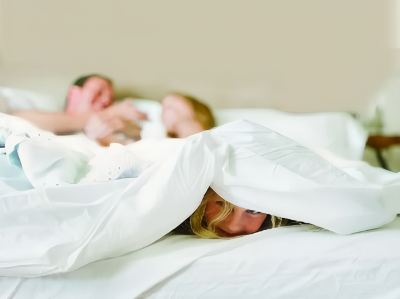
x=56, y=122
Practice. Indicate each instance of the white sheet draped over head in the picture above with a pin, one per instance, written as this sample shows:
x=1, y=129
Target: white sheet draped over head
x=268, y=172
x=88, y=204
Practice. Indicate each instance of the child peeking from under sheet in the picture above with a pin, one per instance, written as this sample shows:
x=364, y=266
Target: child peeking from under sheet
x=89, y=97
x=218, y=218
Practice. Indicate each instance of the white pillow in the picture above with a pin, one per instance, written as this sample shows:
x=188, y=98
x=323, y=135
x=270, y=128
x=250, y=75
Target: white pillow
x=335, y=132
x=21, y=99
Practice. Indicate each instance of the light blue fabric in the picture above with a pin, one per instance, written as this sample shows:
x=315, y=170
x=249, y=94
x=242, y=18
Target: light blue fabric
x=12, y=153
x=44, y=161
x=12, y=178
x=3, y=136
x=11, y=149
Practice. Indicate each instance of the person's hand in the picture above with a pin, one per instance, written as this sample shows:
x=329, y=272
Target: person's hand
x=178, y=117
x=118, y=123
x=75, y=106
x=126, y=110
x=188, y=127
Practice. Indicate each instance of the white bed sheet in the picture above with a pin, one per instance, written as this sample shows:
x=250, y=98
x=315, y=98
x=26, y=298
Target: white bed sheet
x=335, y=132
x=289, y=262
x=296, y=262
x=44, y=231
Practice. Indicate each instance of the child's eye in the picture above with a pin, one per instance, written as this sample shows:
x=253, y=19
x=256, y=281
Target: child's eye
x=252, y=212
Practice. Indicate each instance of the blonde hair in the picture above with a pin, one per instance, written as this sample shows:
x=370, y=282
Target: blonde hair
x=206, y=230
x=202, y=112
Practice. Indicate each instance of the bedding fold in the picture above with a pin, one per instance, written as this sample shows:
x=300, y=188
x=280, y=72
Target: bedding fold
x=91, y=204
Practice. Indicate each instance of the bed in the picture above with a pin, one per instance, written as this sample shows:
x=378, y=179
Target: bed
x=302, y=261
x=293, y=262
x=337, y=132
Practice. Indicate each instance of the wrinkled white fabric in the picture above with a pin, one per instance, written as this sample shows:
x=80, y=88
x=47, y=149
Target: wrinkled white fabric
x=268, y=172
x=288, y=262
x=102, y=211
x=337, y=132
x=152, y=127
x=59, y=226
x=23, y=99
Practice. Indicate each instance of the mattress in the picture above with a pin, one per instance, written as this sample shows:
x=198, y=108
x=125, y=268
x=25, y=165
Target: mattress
x=289, y=262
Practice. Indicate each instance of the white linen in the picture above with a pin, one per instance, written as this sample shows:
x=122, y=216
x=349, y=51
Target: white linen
x=152, y=127
x=54, y=228
x=22, y=99
x=294, y=262
x=271, y=173
x=288, y=262
x=335, y=132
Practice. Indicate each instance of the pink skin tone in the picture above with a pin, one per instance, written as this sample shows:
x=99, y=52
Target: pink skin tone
x=106, y=123
x=239, y=222
x=178, y=116
x=95, y=95
x=115, y=124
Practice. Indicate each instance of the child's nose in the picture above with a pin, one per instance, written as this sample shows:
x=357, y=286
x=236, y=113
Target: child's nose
x=235, y=224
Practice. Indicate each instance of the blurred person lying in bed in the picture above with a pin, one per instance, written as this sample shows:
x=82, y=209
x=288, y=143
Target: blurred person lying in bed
x=88, y=97
x=90, y=108
x=218, y=218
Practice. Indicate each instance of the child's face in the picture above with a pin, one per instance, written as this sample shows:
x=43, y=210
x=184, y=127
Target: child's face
x=239, y=222
x=176, y=110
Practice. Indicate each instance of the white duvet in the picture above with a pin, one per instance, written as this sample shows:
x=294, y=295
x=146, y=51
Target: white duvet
x=89, y=203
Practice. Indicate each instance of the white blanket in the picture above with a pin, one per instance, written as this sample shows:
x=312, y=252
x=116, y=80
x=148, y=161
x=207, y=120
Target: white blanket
x=323, y=265
x=93, y=204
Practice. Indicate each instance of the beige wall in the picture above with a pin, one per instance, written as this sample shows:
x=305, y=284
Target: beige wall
x=307, y=55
